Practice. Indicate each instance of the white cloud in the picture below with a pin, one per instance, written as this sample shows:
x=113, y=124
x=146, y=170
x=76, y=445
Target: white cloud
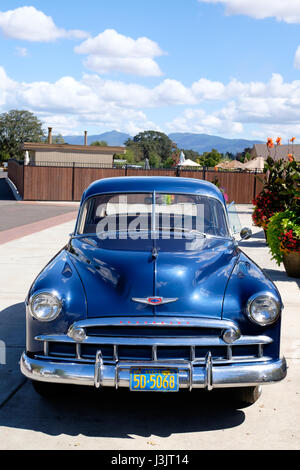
x=236, y=107
x=282, y=10
x=69, y=104
x=206, y=89
x=198, y=121
x=29, y=24
x=111, y=51
x=273, y=102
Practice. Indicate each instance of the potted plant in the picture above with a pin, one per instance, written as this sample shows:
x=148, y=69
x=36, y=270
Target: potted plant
x=283, y=238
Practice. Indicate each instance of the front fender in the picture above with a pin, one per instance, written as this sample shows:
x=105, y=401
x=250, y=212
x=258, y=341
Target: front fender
x=61, y=278
x=246, y=280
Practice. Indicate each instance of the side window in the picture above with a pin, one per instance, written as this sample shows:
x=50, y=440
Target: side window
x=234, y=220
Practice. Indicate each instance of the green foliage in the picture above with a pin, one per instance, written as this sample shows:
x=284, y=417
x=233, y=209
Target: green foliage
x=281, y=191
x=154, y=160
x=267, y=203
x=169, y=162
x=210, y=159
x=283, y=179
x=4, y=156
x=17, y=127
x=244, y=156
x=152, y=145
x=134, y=152
x=247, y=157
x=99, y=143
x=283, y=234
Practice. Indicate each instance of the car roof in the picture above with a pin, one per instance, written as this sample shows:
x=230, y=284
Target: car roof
x=144, y=184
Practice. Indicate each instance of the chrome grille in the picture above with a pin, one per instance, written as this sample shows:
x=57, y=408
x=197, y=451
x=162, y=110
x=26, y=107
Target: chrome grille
x=155, y=340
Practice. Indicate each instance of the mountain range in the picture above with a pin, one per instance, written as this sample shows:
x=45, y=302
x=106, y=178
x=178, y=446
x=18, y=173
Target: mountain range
x=197, y=142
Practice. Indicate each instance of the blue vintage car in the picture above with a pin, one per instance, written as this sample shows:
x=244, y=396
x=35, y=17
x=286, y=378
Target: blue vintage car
x=152, y=293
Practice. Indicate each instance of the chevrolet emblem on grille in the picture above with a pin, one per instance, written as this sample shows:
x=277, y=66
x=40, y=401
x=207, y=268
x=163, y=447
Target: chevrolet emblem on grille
x=154, y=300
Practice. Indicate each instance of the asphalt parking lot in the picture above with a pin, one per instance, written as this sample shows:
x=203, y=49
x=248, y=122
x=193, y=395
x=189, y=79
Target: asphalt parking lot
x=18, y=213
x=90, y=419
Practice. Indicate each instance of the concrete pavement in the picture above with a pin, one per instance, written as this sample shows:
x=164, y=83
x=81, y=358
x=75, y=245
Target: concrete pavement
x=90, y=419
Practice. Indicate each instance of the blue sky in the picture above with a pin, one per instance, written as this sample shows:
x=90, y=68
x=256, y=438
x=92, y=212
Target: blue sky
x=223, y=67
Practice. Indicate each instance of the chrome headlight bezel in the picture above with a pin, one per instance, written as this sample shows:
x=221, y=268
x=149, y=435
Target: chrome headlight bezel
x=264, y=296
x=54, y=300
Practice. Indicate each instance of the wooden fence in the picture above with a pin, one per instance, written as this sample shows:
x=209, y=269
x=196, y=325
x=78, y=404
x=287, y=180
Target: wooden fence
x=54, y=183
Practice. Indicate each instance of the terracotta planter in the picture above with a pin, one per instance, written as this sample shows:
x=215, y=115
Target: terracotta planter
x=291, y=263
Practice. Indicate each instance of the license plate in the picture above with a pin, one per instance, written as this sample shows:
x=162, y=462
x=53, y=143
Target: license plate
x=155, y=380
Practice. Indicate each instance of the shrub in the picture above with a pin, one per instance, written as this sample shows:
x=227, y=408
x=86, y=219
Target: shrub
x=283, y=234
x=266, y=205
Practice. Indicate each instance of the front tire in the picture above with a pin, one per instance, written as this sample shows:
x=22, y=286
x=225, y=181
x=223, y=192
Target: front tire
x=248, y=395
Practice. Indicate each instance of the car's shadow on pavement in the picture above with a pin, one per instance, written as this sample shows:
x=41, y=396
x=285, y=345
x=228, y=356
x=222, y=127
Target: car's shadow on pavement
x=120, y=414
x=278, y=275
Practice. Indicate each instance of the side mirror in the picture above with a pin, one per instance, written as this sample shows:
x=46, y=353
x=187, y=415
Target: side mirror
x=245, y=233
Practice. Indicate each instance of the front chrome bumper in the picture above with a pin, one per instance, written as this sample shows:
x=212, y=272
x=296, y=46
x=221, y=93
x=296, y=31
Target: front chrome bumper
x=208, y=375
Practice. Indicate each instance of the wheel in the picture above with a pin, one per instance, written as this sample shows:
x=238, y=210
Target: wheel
x=248, y=395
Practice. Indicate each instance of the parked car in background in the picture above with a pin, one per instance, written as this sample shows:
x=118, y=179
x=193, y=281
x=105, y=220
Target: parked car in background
x=152, y=293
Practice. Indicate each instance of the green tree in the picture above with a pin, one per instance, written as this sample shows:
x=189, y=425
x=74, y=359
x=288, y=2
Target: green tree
x=129, y=156
x=152, y=143
x=169, y=162
x=210, y=159
x=154, y=160
x=135, y=151
x=17, y=127
x=245, y=155
x=99, y=143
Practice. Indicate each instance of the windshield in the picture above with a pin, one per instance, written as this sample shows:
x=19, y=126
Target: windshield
x=152, y=216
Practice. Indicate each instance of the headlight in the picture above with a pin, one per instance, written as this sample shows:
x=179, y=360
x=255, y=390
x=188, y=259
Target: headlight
x=45, y=306
x=263, y=309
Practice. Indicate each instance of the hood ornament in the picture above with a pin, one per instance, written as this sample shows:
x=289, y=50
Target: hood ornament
x=154, y=301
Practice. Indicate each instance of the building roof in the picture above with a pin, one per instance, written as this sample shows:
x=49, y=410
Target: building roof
x=142, y=184
x=81, y=148
x=277, y=152
x=231, y=165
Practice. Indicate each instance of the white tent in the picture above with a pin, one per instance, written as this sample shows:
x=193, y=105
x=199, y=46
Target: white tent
x=257, y=163
x=188, y=163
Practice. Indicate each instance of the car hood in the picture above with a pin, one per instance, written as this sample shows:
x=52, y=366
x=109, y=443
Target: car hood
x=196, y=278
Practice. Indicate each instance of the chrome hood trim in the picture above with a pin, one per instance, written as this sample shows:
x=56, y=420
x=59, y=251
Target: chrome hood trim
x=163, y=321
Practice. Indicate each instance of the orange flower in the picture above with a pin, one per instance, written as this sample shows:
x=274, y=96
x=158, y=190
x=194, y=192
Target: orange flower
x=278, y=141
x=290, y=157
x=293, y=139
x=270, y=143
